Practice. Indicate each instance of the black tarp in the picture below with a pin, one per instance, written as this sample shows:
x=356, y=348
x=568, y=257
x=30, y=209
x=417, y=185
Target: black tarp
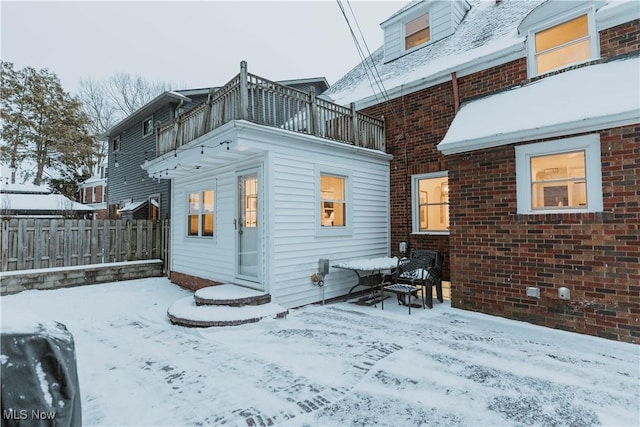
x=39, y=377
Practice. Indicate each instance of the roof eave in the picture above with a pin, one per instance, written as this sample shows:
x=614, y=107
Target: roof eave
x=144, y=111
x=510, y=53
x=590, y=124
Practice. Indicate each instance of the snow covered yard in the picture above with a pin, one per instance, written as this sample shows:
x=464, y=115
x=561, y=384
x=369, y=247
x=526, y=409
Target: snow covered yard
x=333, y=365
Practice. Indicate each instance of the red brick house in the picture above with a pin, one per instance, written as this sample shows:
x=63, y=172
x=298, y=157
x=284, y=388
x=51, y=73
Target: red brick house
x=515, y=130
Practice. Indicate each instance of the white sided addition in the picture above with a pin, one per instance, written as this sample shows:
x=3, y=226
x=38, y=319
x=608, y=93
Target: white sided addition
x=224, y=305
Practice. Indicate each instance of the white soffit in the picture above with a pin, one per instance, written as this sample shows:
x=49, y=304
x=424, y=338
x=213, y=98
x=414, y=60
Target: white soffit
x=582, y=100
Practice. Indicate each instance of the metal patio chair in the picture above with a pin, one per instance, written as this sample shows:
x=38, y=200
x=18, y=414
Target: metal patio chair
x=411, y=278
x=436, y=261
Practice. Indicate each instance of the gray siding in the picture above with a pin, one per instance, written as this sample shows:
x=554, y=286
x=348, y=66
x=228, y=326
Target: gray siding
x=133, y=146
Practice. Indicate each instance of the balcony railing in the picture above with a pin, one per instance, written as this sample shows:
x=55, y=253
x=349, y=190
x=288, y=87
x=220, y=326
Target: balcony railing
x=261, y=101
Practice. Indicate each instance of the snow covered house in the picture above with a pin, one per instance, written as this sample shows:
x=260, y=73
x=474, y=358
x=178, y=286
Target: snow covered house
x=93, y=191
x=515, y=128
x=266, y=181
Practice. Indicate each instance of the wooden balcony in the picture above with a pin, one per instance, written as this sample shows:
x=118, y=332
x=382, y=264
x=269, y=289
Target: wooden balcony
x=252, y=98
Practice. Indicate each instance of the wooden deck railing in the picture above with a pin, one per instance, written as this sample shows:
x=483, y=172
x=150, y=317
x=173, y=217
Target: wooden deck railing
x=253, y=98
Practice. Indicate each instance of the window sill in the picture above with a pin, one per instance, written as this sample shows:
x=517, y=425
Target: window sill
x=430, y=233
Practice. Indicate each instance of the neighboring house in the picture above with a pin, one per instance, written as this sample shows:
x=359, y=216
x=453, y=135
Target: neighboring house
x=268, y=180
x=132, y=194
x=131, y=142
x=93, y=192
x=34, y=201
x=514, y=127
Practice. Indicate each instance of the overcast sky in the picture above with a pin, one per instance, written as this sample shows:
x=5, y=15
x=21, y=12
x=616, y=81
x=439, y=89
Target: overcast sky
x=191, y=44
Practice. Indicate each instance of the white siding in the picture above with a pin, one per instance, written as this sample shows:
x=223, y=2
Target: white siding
x=445, y=16
x=298, y=246
x=292, y=242
x=209, y=258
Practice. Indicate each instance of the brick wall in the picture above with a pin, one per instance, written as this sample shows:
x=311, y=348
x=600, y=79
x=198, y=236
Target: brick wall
x=492, y=255
x=496, y=254
x=620, y=40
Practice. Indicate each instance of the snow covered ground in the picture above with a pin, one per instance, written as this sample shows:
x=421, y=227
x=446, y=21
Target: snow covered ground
x=334, y=365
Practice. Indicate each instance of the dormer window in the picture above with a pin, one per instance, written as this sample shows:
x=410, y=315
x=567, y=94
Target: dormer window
x=420, y=23
x=417, y=32
x=560, y=34
x=562, y=45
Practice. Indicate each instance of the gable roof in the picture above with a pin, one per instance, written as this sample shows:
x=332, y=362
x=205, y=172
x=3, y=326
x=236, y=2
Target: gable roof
x=487, y=36
x=582, y=100
x=145, y=111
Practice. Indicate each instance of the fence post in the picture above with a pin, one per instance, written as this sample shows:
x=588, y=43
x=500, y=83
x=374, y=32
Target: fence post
x=354, y=123
x=5, y=244
x=313, y=112
x=244, y=91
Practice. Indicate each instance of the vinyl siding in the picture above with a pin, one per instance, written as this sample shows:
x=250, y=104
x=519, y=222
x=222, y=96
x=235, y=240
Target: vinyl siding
x=291, y=243
x=297, y=244
x=445, y=16
x=206, y=257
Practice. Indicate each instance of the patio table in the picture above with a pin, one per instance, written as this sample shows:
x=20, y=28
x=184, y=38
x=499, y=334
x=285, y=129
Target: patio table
x=368, y=271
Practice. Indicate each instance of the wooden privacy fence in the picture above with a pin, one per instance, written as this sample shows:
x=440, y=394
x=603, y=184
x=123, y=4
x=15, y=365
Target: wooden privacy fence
x=28, y=243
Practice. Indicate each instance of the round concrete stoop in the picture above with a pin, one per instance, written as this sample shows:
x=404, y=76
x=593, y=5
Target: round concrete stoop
x=224, y=305
x=229, y=294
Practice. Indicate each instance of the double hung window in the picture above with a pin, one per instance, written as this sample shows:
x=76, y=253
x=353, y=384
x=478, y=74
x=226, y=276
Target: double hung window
x=417, y=31
x=333, y=201
x=200, y=214
x=566, y=43
x=430, y=203
x=559, y=176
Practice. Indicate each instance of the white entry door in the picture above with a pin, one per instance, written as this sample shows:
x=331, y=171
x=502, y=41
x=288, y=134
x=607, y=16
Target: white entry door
x=248, y=227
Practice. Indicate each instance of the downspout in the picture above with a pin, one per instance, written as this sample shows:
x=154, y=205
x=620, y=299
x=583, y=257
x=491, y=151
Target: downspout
x=456, y=95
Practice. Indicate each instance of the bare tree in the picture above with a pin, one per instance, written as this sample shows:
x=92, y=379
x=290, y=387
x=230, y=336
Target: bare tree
x=107, y=102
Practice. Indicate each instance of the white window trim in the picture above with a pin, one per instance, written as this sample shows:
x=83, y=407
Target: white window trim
x=415, y=211
x=151, y=129
x=594, y=39
x=593, y=172
x=201, y=190
x=403, y=29
x=333, y=231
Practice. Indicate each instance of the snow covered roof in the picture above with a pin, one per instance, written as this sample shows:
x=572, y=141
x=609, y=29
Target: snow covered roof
x=40, y=203
x=132, y=206
x=24, y=189
x=487, y=35
x=581, y=100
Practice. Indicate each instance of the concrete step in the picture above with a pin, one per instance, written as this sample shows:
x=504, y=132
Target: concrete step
x=185, y=312
x=230, y=295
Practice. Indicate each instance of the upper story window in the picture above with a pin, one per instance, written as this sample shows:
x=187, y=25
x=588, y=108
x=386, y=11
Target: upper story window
x=430, y=203
x=115, y=143
x=561, y=175
x=200, y=213
x=417, y=32
x=147, y=126
x=559, y=42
